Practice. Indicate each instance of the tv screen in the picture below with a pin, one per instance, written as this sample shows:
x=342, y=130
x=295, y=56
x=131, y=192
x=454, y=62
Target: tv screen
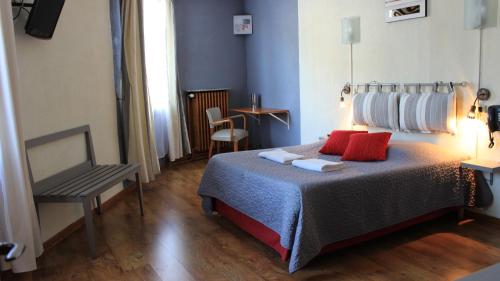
x=43, y=18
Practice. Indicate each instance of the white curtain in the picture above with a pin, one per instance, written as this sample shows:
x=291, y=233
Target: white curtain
x=141, y=146
x=161, y=69
x=18, y=221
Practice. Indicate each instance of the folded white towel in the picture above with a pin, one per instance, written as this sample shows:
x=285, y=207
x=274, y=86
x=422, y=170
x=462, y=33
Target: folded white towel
x=318, y=165
x=279, y=155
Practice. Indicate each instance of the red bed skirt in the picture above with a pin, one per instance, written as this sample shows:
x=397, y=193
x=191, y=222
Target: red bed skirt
x=272, y=239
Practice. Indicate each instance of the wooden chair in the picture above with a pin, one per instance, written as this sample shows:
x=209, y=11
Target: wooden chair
x=82, y=183
x=225, y=135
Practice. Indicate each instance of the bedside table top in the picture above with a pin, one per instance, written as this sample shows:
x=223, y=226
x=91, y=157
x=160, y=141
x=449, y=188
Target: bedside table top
x=489, y=166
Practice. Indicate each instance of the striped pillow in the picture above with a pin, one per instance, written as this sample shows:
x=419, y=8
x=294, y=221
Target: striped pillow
x=376, y=110
x=428, y=112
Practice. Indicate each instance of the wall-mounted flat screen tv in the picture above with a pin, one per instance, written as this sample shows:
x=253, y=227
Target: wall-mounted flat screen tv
x=43, y=18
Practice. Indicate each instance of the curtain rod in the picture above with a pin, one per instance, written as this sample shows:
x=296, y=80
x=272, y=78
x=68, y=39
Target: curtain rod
x=413, y=84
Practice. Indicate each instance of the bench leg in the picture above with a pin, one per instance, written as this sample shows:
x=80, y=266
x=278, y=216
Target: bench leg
x=98, y=201
x=37, y=208
x=139, y=191
x=89, y=226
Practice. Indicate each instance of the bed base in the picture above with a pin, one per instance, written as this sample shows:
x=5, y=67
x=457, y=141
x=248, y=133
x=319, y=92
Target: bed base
x=272, y=239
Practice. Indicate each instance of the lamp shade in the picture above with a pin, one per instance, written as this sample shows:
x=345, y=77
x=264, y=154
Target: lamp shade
x=351, y=32
x=474, y=13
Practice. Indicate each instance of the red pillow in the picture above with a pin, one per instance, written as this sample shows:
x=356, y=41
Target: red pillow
x=338, y=141
x=367, y=147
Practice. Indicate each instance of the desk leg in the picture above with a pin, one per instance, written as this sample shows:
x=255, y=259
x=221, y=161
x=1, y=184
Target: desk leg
x=287, y=122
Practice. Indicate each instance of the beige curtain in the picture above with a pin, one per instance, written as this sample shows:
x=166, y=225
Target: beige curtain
x=18, y=220
x=141, y=140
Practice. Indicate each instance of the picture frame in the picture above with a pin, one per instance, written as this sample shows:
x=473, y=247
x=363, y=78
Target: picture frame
x=243, y=25
x=398, y=10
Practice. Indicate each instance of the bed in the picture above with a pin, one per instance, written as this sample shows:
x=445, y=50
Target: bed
x=302, y=214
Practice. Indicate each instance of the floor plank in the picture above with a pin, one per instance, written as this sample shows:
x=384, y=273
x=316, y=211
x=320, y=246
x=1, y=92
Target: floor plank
x=176, y=241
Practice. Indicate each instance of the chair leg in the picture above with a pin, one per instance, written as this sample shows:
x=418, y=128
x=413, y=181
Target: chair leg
x=98, y=203
x=218, y=147
x=139, y=192
x=235, y=145
x=89, y=226
x=211, y=149
x=246, y=143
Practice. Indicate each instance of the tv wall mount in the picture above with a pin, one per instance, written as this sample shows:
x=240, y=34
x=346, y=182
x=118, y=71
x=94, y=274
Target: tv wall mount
x=22, y=4
x=22, y=7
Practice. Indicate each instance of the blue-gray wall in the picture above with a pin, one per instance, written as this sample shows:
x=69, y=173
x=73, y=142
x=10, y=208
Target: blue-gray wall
x=267, y=62
x=273, y=65
x=209, y=55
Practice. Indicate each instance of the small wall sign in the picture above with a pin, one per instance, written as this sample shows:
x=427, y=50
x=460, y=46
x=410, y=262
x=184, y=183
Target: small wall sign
x=243, y=25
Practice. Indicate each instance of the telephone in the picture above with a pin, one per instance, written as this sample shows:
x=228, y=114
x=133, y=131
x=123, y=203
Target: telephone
x=493, y=122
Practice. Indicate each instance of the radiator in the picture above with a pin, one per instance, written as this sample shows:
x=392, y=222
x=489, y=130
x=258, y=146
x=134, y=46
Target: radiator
x=197, y=104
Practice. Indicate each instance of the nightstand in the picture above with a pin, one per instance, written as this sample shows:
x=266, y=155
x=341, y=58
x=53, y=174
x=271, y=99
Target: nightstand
x=486, y=166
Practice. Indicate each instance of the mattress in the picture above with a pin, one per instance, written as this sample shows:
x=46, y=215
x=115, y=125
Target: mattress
x=311, y=210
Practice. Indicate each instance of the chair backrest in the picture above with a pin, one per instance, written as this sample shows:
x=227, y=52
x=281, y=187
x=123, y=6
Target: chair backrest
x=214, y=114
x=68, y=173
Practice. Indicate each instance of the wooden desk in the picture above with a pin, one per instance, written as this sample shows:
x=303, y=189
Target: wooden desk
x=257, y=113
x=486, y=166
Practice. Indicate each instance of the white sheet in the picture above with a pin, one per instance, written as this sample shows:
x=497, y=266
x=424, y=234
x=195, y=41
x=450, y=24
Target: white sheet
x=281, y=156
x=318, y=165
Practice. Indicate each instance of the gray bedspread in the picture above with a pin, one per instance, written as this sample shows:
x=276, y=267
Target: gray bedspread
x=310, y=210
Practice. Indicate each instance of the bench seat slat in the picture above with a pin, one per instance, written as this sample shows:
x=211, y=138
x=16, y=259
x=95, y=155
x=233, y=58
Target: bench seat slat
x=57, y=188
x=83, y=185
x=61, y=177
x=89, y=181
x=84, y=180
x=110, y=181
x=111, y=173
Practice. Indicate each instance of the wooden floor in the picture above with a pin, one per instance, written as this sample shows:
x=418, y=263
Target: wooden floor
x=175, y=241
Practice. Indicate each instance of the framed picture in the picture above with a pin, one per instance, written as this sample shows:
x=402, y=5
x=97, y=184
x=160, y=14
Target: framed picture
x=243, y=24
x=396, y=10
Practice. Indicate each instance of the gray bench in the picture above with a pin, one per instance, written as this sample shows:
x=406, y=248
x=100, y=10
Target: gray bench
x=82, y=183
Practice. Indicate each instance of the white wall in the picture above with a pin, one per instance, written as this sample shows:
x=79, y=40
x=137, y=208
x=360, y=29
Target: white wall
x=68, y=82
x=422, y=50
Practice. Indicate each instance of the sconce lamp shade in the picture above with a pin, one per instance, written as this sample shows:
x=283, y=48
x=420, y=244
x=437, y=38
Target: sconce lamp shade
x=480, y=14
x=474, y=13
x=351, y=33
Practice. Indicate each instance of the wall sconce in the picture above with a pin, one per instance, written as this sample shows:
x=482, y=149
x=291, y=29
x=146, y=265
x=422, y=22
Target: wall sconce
x=345, y=91
x=351, y=34
x=350, y=30
x=474, y=13
x=482, y=95
x=479, y=14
